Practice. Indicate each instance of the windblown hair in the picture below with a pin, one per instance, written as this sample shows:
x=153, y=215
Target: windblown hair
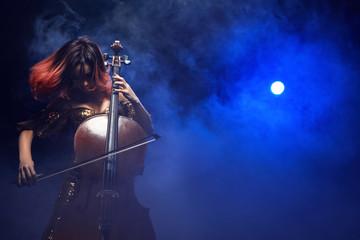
x=57, y=74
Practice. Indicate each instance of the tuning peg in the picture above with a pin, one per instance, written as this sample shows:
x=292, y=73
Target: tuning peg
x=125, y=59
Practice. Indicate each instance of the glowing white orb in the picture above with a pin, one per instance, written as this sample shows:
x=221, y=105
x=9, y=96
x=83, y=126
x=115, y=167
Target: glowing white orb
x=277, y=88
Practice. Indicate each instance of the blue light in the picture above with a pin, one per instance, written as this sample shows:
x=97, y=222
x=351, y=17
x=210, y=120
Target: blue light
x=277, y=88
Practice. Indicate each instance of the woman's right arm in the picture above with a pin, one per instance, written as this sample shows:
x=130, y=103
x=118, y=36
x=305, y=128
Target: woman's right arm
x=27, y=174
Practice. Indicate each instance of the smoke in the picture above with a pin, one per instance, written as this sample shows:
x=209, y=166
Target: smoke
x=54, y=27
x=234, y=161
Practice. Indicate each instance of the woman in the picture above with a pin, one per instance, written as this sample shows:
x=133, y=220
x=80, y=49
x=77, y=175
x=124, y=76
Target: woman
x=76, y=79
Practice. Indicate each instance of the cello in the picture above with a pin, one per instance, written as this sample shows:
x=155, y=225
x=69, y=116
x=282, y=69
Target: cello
x=106, y=206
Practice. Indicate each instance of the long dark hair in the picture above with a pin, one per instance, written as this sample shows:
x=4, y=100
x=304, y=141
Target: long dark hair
x=64, y=73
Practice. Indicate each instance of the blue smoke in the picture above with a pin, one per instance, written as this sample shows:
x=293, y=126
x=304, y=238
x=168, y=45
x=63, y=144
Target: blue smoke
x=235, y=161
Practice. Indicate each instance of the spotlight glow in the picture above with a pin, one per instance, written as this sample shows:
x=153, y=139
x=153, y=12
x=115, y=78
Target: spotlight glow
x=277, y=88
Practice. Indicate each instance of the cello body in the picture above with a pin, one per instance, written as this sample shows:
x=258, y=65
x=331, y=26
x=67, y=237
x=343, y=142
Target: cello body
x=79, y=220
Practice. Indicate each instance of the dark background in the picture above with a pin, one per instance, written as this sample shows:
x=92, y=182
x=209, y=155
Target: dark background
x=235, y=161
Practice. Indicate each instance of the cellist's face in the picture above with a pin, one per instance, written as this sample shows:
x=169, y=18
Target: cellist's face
x=82, y=78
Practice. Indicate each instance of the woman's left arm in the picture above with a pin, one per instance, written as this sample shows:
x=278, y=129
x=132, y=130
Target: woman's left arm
x=143, y=116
